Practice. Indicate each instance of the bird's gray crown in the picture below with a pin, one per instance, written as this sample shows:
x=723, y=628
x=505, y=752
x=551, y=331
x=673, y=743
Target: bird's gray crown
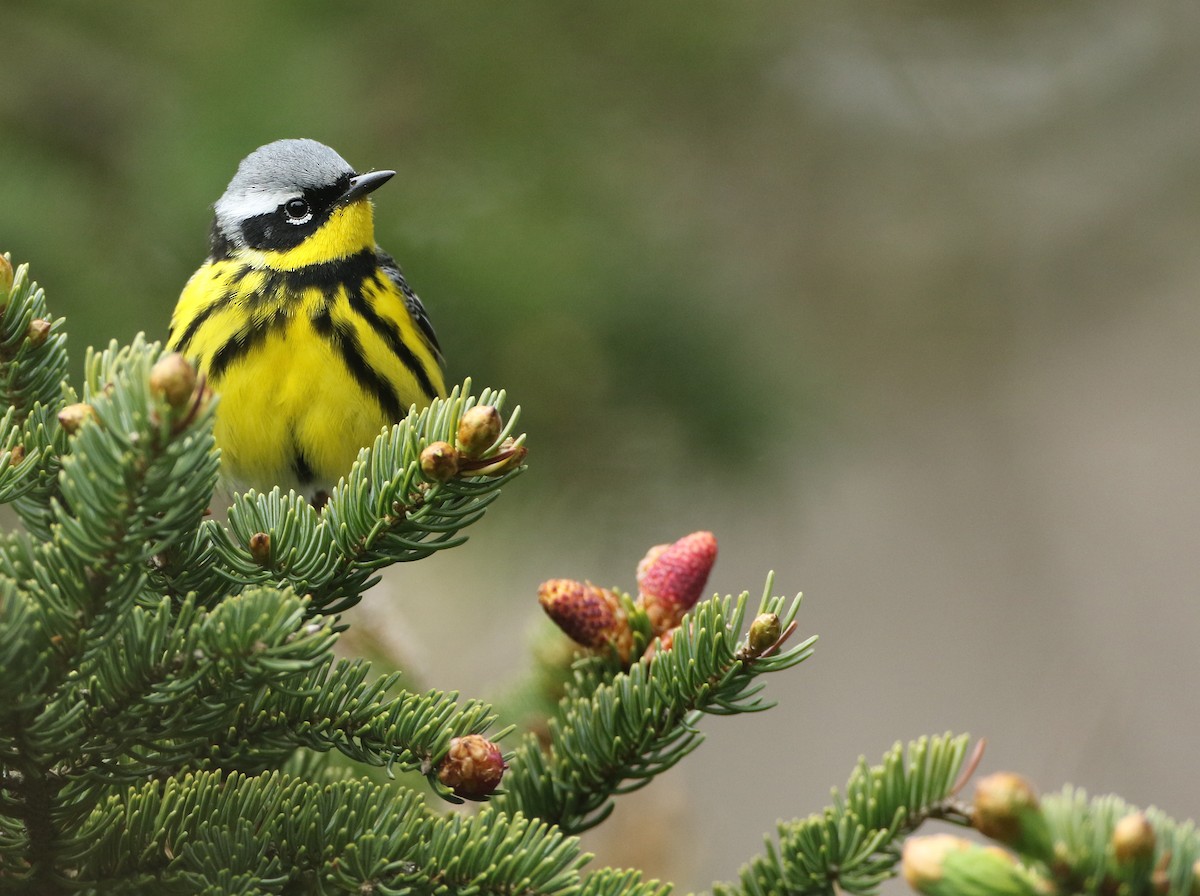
x=273, y=174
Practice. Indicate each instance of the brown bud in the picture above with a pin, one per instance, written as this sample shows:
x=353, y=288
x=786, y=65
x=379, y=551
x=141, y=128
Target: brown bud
x=38, y=332
x=472, y=767
x=590, y=616
x=1006, y=808
x=439, y=461
x=174, y=379
x=672, y=577
x=17, y=454
x=260, y=548
x=1133, y=839
x=478, y=430
x=73, y=416
x=6, y=277
x=764, y=632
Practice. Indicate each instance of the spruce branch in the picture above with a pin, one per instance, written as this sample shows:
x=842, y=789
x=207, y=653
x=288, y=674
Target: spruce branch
x=149, y=698
x=141, y=471
x=29, y=455
x=853, y=846
x=169, y=685
x=33, y=347
x=1063, y=844
x=614, y=882
x=335, y=707
x=21, y=654
x=33, y=367
x=612, y=737
x=240, y=686
x=111, y=679
x=386, y=510
x=140, y=477
x=1094, y=850
x=208, y=831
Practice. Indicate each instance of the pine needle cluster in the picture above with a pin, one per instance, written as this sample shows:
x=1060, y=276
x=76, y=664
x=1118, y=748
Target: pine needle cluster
x=170, y=698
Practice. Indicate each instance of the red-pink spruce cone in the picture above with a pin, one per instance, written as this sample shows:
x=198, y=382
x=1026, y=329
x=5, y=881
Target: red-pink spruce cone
x=671, y=578
x=591, y=616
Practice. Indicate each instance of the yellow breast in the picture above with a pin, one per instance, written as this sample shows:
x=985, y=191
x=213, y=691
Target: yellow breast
x=310, y=362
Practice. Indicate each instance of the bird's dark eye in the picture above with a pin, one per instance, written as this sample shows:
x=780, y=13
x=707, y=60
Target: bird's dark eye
x=296, y=209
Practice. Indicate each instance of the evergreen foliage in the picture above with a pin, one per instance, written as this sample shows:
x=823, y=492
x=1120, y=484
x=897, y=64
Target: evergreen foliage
x=170, y=693
x=614, y=736
x=1084, y=857
x=383, y=512
x=853, y=845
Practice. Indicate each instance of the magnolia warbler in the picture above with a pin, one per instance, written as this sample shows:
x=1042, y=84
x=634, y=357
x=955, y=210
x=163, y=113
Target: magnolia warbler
x=306, y=329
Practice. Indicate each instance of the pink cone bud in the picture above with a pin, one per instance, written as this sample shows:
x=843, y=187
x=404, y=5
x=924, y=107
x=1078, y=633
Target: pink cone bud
x=672, y=577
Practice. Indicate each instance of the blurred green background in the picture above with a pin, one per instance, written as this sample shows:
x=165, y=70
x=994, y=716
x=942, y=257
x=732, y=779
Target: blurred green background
x=898, y=299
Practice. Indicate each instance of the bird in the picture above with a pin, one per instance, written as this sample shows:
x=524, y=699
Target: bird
x=305, y=328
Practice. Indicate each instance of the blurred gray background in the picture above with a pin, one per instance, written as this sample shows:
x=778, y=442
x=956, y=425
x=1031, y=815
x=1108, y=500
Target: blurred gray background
x=899, y=299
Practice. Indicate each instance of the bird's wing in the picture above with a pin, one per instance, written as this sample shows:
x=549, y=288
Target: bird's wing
x=411, y=302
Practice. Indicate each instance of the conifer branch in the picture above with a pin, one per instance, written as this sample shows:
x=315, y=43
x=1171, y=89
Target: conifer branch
x=207, y=830
x=168, y=681
x=111, y=679
x=125, y=495
x=33, y=368
x=386, y=510
x=1064, y=843
x=152, y=696
x=33, y=347
x=613, y=737
x=614, y=882
x=853, y=846
x=336, y=707
x=1093, y=852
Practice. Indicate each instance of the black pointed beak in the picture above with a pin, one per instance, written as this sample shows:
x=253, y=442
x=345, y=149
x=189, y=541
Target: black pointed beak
x=362, y=184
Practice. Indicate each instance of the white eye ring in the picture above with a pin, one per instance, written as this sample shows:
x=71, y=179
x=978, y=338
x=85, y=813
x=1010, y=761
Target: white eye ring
x=297, y=211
